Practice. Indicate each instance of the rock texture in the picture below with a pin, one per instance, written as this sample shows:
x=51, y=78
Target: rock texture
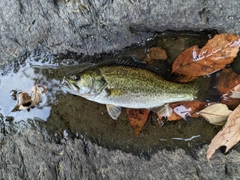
x=29, y=156
x=94, y=27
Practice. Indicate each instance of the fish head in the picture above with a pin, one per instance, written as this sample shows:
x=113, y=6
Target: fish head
x=87, y=84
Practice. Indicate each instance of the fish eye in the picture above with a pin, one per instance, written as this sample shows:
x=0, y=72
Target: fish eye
x=76, y=77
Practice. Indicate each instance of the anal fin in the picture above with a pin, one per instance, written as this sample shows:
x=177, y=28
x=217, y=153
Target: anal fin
x=113, y=111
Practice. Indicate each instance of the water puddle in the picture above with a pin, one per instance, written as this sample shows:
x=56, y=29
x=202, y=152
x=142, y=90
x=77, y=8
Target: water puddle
x=24, y=81
x=64, y=115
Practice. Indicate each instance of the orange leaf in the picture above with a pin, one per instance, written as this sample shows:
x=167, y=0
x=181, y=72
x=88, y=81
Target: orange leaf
x=155, y=53
x=137, y=118
x=214, y=56
x=228, y=136
x=193, y=105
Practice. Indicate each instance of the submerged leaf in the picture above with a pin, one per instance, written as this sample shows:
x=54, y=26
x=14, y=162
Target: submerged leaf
x=155, y=53
x=186, y=108
x=228, y=136
x=214, y=56
x=137, y=118
x=227, y=84
x=216, y=114
x=227, y=80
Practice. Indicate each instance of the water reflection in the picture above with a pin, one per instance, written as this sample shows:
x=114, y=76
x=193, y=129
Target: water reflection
x=24, y=80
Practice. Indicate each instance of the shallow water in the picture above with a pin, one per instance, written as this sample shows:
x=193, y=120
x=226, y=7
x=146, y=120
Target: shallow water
x=64, y=115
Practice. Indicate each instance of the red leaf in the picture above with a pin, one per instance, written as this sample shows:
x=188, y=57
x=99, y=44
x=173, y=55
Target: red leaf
x=137, y=118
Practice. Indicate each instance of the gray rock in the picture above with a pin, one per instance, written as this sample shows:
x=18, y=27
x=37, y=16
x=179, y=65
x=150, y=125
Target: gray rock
x=21, y=159
x=91, y=27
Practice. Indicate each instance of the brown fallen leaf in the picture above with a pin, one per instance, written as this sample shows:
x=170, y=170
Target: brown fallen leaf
x=227, y=84
x=155, y=53
x=189, y=108
x=214, y=56
x=216, y=114
x=228, y=136
x=232, y=98
x=137, y=118
x=25, y=101
x=227, y=80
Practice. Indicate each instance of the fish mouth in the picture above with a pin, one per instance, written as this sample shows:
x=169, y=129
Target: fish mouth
x=69, y=86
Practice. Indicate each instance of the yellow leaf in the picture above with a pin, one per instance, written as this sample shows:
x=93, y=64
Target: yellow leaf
x=228, y=136
x=216, y=114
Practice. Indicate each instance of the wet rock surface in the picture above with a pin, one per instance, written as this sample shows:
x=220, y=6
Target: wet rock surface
x=95, y=27
x=91, y=27
x=30, y=155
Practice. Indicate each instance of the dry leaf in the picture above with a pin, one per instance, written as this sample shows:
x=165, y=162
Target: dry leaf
x=228, y=136
x=216, y=114
x=137, y=118
x=214, y=56
x=155, y=53
x=25, y=101
x=36, y=96
x=195, y=106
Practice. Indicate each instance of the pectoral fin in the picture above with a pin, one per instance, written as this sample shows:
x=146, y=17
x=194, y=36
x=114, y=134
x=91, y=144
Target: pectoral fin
x=113, y=111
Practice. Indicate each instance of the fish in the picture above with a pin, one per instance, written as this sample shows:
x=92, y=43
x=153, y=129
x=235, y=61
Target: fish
x=121, y=86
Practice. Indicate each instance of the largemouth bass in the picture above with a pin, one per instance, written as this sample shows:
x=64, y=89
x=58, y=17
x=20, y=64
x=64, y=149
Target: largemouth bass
x=124, y=86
